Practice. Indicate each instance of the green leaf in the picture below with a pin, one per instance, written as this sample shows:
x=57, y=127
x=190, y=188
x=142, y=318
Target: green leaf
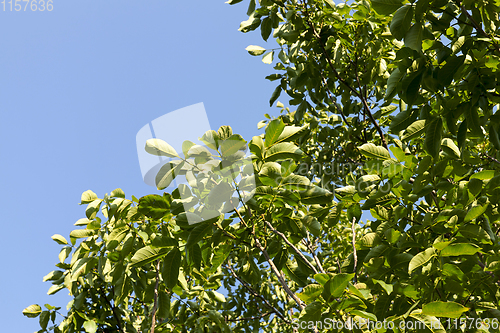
x=275, y=95
x=155, y=206
x=339, y=284
x=268, y=57
x=446, y=73
x=483, y=175
x=310, y=292
x=163, y=241
x=452, y=270
x=386, y=7
x=90, y=326
x=295, y=182
x=210, y=138
x=364, y=314
x=311, y=313
x=378, y=201
x=44, y=319
x=393, y=81
x=474, y=212
x=316, y=195
x=167, y=174
x=218, y=297
x=283, y=150
x=414, y=130
x=473, y=121
x=402, y=120
x=88, y=196
x=421, y=9
x=81, y=233
x=255, y=50
x=432, y=143
x=32, y=311
x=460, y=249
x=291, y=133
x=83, y=221
x=444, y=309
x=450, y=147
x=116, y=236
x=160, y=148
x=54, y=289
x=266, y=27
x=372, y=151
x=432, y=323
x=59, y=239
x=117, y=193
x=198, y=233
x=273, y=132
x=52, y=276
x=171, y=266
x=387, y=287
x=421, y=259
x=401, y=21
x=312, y=224
x=231, y=145
x=413, y=38
x=147, y=254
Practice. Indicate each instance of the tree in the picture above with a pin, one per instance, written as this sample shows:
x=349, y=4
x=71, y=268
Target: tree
x=395, y=121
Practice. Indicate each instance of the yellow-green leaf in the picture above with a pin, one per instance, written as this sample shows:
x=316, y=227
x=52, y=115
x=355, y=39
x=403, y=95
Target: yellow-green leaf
x=444, y=309
x=59, y=239
x=160, y=148
x=255, y=50
x=421, y=259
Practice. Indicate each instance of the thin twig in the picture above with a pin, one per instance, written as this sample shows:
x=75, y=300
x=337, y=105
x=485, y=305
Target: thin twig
x=250, y=318
x=316, y=259
x=115, y=314
x=279, y=276
x=297, y=251
x=477, y=26
x=155, y=306
x=354, y=253
x=491, y=158
x=256, y=294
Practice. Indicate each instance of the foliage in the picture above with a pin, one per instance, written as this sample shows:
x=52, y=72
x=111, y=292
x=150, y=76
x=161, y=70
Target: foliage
x=395, y=115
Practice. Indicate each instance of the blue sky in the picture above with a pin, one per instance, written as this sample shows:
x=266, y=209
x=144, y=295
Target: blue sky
x=76, y=84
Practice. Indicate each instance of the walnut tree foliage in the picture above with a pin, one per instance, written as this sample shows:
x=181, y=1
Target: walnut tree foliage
x=376, y=193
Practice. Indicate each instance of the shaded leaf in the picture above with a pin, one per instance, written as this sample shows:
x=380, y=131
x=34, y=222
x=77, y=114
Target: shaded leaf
x=171, y=266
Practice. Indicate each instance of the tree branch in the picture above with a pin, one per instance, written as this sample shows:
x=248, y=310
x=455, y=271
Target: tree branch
x=316, y=259
x=255, y=294
x=478, y=28
x=358, y=94
x=297, y=251
x=279, y=276
x=354, y=253
x=155, y=306
x=115, y=314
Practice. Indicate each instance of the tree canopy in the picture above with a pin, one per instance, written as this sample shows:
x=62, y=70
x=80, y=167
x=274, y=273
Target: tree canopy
x=372, y=199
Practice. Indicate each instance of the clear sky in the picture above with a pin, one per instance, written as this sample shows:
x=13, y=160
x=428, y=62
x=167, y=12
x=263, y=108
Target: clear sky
x=76, y=85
